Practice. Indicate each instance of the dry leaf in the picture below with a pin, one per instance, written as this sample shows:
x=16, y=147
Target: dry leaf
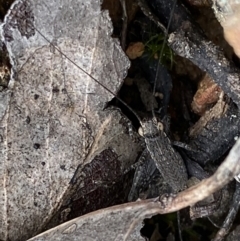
x=135, y=50
x=51, y=116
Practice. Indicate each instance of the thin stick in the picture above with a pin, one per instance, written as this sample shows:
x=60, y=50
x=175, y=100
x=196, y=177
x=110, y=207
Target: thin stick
x=125, y=22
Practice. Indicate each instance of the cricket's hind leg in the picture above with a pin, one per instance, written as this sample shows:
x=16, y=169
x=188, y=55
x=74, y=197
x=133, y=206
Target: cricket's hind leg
x=147, y=181
x=140, y=174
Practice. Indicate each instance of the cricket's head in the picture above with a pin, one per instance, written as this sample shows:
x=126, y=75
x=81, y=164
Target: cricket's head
x=150, y=127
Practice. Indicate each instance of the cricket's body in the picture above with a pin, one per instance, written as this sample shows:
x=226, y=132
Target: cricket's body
x=169, y=162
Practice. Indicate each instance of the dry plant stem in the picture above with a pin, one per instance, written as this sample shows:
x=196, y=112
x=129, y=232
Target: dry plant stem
x=147, y=11
x=227, y=224
x=125, y=22
x=179, y=226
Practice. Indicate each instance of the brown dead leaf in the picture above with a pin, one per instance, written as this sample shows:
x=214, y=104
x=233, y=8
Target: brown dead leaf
x=135, y=50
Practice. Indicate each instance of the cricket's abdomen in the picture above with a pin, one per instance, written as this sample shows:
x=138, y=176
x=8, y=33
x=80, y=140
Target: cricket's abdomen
x=168, y=161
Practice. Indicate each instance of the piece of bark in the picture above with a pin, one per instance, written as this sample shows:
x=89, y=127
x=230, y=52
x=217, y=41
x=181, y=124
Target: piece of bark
x=216, y=112
x=214, y=133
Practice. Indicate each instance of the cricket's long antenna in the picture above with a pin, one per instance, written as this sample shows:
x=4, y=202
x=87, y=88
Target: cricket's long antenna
x=161, y=53
x=84, y=71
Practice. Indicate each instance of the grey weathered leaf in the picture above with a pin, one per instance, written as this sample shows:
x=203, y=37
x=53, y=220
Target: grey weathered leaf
x=114, y=223
x=52, y=121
